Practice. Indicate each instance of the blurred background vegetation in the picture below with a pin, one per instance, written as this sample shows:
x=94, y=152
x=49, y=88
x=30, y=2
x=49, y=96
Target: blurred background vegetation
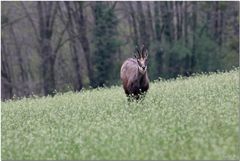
x=49, y=47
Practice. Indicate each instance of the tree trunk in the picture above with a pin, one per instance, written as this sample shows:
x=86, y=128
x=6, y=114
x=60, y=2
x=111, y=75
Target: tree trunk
x=220, y=24
x=175, y=20
x=160, y=62
x=134, y=24
x=75, y=60
x=6, y=82
x=216, y=24
x=167, y=17
x=150, y=21
x=142, y=25
x=46, y=19
x=23, y=74
x=158, y=29
x=194, y=30
x=186, y=22
x=73, y=47
x=157, y=21
x=48, y=72
x=179, y=20
x=82, y=30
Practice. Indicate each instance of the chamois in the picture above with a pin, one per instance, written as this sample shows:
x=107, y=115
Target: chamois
x=134, y=74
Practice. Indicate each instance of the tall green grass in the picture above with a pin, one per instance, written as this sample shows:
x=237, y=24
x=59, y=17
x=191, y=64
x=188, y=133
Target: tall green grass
x=193, y=118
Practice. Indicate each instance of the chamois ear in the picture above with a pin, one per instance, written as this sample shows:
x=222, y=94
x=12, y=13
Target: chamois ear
x=146, y=54
x=135, y=56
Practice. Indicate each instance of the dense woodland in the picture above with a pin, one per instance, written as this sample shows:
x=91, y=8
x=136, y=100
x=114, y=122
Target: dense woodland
x=49, y=47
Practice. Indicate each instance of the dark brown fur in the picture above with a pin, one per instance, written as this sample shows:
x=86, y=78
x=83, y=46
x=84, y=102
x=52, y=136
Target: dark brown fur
x=134, y=81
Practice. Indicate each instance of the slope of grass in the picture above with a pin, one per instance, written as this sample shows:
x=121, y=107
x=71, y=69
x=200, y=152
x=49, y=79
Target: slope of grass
x=194, y=118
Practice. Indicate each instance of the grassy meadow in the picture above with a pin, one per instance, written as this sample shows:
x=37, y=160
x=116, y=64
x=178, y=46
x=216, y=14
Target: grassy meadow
x=187, y=118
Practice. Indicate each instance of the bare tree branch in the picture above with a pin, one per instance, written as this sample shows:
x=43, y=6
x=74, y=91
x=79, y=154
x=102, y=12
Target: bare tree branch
x=30, y=19
x=59, y=43
x=52, y=19
x=13, y=21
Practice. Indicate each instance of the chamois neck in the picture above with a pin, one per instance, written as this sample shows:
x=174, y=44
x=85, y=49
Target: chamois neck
x=140, y=74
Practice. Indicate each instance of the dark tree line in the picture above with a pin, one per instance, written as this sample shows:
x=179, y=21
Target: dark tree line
x=49, y=47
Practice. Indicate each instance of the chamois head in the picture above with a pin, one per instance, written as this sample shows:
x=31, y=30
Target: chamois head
x=141, y=55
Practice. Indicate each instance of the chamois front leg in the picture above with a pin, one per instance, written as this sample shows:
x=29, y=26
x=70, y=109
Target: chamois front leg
x=134, y=91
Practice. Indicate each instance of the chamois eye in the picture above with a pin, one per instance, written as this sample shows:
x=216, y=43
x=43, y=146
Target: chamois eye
x=139, y=63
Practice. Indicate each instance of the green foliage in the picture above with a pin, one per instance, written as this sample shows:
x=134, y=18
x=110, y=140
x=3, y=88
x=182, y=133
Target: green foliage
x=155, y=60
x=211, y=57
x=105, y=41
x=207, y=54
x=178, y=57
x=180, y=50
x=182, y=119
x=175, y=58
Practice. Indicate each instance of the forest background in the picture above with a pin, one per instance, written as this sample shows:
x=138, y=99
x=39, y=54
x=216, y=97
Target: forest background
x=49, y=47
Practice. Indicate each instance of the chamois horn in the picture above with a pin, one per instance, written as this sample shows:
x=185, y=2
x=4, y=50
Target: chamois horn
x=137, y=52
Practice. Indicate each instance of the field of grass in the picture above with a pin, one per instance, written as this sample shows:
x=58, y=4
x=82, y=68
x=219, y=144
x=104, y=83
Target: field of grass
x=193, y=118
